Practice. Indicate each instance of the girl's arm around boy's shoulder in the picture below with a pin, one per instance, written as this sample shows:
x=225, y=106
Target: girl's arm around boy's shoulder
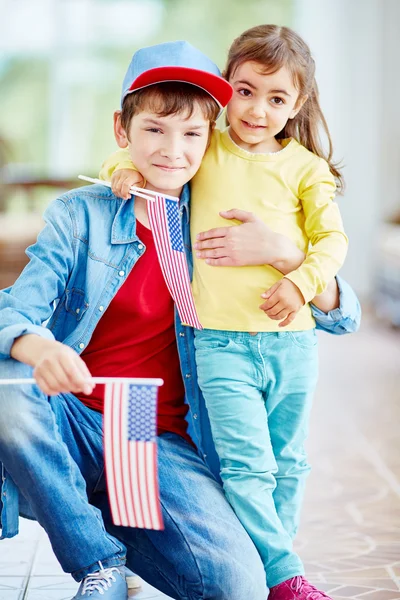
x=29, y=302
x=120, y=170
x=118, y=160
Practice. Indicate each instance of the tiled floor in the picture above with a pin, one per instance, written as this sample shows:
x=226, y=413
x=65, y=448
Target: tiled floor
x=350, y=534
x=30, y=571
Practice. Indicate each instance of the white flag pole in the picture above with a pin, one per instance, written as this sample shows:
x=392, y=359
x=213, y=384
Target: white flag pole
x=133, y=380
x=136, y=191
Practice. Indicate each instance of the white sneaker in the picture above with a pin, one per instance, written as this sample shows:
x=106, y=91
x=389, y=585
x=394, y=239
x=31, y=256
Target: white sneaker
x=133, y=581
x=105, y=582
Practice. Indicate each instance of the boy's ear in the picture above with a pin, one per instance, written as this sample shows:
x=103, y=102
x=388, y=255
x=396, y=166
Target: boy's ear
x=299, y=104
x=119, y=132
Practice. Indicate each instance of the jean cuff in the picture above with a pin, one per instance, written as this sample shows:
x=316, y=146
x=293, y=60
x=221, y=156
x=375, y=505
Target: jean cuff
x=118, y=560
x=277, y=576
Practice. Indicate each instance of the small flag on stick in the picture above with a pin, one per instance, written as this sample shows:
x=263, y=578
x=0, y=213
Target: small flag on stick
x=163, y=211
x=130, y=449
x=166, y=227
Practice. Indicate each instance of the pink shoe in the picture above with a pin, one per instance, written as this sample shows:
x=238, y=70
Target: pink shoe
x=296, y=588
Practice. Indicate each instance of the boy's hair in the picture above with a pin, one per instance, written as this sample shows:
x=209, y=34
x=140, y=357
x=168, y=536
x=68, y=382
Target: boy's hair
x=169, y=98
x=274, y=47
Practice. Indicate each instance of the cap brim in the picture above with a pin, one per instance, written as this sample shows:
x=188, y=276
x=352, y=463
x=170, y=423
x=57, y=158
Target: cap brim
x=214, y=85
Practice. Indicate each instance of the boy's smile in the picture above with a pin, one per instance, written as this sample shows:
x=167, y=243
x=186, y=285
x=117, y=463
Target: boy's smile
x=167, y=150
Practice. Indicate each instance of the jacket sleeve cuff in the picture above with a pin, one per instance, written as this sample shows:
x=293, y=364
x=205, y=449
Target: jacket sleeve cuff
x=346, y=318
x=12, y=332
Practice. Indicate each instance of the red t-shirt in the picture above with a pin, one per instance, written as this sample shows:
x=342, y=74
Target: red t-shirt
x=136, y=338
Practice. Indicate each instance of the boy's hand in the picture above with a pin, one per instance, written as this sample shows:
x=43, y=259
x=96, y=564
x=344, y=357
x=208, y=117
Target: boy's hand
x=329, y=299
x=123, y=180
x=283, y=301
x=60, y=369
x=57, y=368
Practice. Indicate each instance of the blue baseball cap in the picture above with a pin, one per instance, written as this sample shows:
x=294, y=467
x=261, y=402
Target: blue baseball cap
x=175, y=61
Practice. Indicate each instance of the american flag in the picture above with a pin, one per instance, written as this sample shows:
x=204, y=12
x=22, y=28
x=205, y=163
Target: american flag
x=166, y=227
x=130, y=450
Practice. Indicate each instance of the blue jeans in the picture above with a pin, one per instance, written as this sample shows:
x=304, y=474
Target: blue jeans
x=52, y=449
x=258, y=391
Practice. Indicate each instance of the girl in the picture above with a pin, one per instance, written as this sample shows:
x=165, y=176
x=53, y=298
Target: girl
x=258, y=368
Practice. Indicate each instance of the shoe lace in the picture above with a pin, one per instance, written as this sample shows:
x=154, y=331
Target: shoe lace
x=300, y=584
x=99, y=581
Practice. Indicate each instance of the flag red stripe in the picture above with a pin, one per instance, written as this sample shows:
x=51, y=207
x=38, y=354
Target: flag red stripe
x=109, y=453
x=139, y=483
x=117, y=451
x=149, y=490
x=126, y=483
x=157, y=515
x=135, y=484
x=143, y=484
x=131, y=488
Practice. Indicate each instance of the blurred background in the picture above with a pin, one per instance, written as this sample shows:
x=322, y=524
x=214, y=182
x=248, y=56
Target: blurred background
x=61, y=67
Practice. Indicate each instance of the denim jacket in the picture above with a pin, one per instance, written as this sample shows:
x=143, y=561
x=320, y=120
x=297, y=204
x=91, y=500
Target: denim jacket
x=82, y=257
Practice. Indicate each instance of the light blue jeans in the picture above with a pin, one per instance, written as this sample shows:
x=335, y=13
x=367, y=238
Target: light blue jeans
x=53, y=450
x=258, y=390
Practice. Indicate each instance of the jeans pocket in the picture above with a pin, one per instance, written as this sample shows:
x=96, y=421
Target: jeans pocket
x=208, y=339
x=304, y=339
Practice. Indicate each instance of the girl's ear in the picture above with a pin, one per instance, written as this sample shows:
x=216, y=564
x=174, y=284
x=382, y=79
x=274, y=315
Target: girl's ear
x=299, y=104
x=119, y=132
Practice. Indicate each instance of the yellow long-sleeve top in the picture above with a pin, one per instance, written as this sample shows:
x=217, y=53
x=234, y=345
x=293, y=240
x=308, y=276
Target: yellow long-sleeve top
x=292, y=191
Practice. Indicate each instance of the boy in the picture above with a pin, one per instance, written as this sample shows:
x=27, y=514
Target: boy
x=114, y=316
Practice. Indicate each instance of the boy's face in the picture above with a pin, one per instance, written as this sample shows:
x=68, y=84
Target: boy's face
x=167, y=151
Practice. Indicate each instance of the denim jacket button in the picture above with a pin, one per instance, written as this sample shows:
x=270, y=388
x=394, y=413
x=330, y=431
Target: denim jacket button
x=195, y=416
x=101, y=308
x=181, y=334
x=121, y=273
x=187, y=375
x=140, y=247
x=81, y=345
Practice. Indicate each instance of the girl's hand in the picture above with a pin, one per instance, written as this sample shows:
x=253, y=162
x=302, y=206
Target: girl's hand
x=283, y=302
x=122, y=181
x=252, y=243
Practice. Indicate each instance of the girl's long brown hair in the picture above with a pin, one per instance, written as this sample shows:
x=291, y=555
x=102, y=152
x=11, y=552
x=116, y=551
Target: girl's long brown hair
x=274, y=47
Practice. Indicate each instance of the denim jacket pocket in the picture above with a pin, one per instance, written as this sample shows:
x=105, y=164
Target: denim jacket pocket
x=75, y=303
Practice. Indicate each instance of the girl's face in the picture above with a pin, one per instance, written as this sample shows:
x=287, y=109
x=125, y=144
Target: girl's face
x=261, y=106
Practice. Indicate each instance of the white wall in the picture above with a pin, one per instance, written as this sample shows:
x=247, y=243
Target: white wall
x=390, y=199
x=349, y=43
